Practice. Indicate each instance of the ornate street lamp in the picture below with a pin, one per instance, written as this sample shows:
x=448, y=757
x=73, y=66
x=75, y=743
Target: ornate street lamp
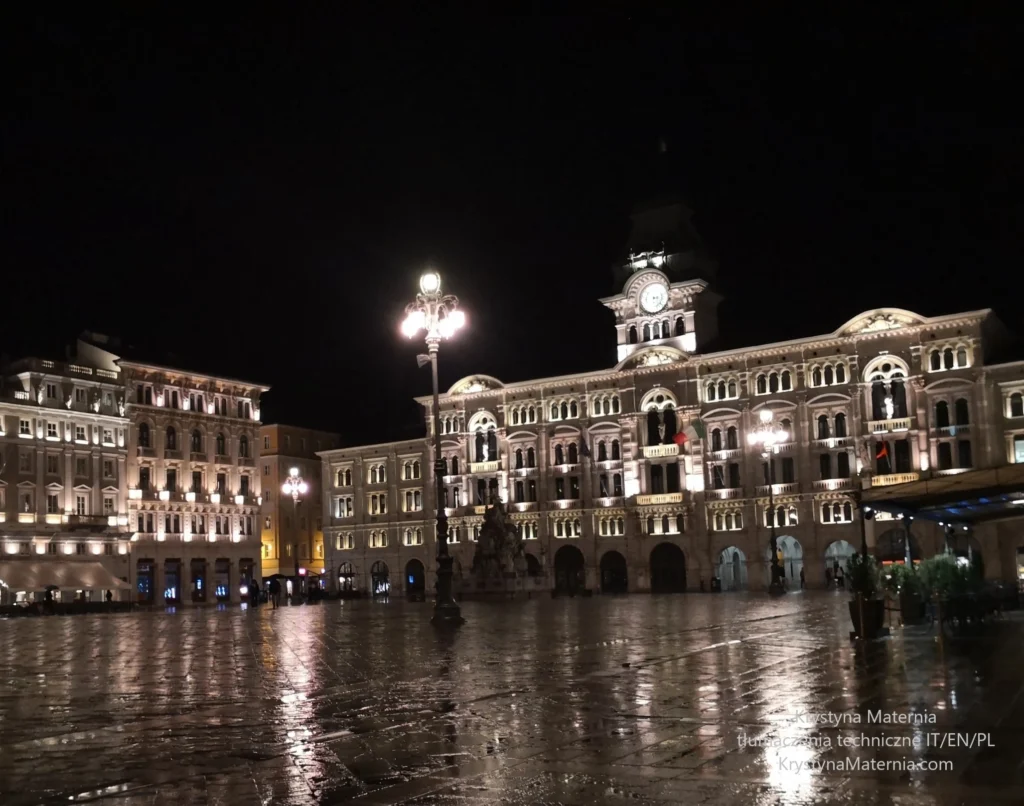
x=438, y=317
x=295, y=486
x=768, y=436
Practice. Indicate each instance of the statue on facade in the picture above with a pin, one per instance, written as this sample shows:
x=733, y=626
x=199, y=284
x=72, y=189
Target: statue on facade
x=889, y=408
x=120, y=406
x=661, y=428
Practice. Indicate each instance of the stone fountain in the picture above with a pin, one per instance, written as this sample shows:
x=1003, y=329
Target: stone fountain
x=499, y=562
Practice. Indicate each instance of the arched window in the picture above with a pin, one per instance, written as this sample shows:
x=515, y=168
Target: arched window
x=617, y=484
x=197, y=441
x=565, y=411
x=848, y=511
x=615, y=450
x=961, y=412
x=712, y=391
x=787, y=380
x=415, y=470
x=823, y=426
x=573, y=453
x=455, y=465
x=816, y=377
x=577, y=527
x=762, y=385
x=647, y=332
x=243, y=446
x=531, y=459
x=942, y=414
x=602, y=452
x=1017, y=405
x=732, y=390
x=615, y=405
x=373, y=475
x=843, y=465
x=719, y=522
x=492, y=444
x=574, y=410
x=519, y=458
x=731, y=438
x=721, y=390
x=222, y=445
x=515, y=416
x=728, y=521
x=840, y=373
x=947, y=358
x=554, y=411
x=680, y=326
x=716, y=439
x=961, y=357
x=829, y=376
x=840, y=425
x=143, y=435
x=172, y=438
x=773, y=382
x=934, y=360
x=664, y=525
x=650, y=525
x=632, y=334
x=559, y=455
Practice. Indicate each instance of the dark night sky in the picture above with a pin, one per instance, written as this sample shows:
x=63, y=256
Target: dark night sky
x=258, y=199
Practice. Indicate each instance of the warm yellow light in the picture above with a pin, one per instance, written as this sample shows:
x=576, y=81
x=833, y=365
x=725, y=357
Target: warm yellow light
x=766, y=416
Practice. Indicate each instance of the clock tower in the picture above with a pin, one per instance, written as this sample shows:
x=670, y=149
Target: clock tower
x=665, y=298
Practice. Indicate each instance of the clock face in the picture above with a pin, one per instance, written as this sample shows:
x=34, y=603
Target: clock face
x=654, y=297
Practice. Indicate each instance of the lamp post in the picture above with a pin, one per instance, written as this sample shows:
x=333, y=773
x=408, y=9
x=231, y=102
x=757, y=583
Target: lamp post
x=295, y=486
x=768, y=436
x=438, y=317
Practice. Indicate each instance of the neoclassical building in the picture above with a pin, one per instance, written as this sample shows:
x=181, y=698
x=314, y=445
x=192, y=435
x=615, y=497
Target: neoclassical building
x=642, y=477
x=191, y=481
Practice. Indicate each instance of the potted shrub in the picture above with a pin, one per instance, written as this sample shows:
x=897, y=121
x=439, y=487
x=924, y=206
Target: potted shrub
x=865, y=580
x=907, y=584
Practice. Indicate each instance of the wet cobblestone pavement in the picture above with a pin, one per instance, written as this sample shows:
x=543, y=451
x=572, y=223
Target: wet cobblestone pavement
x=634, y=700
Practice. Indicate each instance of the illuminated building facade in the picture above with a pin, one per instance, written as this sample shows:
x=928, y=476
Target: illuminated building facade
x=641, y=477
x=292, y=529
x=63, y=500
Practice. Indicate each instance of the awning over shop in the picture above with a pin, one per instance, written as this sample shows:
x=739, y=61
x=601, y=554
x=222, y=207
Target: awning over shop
x=29, y=575
x=974, y=496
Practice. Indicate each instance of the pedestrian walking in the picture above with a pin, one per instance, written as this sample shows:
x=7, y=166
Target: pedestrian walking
x=275, y=593
x=803, y=580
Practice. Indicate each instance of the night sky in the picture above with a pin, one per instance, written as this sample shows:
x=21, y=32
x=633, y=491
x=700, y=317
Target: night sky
x=258, y=199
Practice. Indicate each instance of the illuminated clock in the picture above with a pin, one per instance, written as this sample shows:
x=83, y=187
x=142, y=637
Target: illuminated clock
x=654, y=297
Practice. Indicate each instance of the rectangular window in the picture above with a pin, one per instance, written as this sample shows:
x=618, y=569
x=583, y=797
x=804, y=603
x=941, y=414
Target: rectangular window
x=531, y=490
x=80, y=433
x=52, y=465
x=108, y=468
x=559, y=489
x=25, y=461
x=963, y=448
x=108, y=436
x=197, y=481
x=172, y=479
x=109, y=506
x=266, y=443
x=51, y=431
x=788, y=470
x=243, y=485
x=222, y=483
x=52, y=504
x=266, y=470
x=81, y=466
x=144, y=480
x=25, y=428
x=80, y=505
x=80, y=396
x=51, y=391
x=574, y=486
x=79, y=548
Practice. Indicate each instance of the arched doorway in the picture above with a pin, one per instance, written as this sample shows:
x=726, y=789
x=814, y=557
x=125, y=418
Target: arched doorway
x=380, y=582
x=732, y=569
x=836, y=556
x=569, y=570
x=791, y=560
x=346, y=580
x=614, y=577
x=415, y=581
x=668, y=569
x=891, y=546
x=532, y=566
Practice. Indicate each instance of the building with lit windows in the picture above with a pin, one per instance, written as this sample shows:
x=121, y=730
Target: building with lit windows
x=642, y=477
x=63, y=501
x=192, y=483
x=292, y=528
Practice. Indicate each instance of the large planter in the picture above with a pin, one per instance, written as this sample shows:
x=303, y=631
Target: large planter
x=874, y=617
x=912, y=608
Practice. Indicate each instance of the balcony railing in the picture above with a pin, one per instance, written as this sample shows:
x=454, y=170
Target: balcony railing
x=197, y=456
x=246, y=461
x=610, y=500
x=485, y=467
x=221, y=459
x=146, y=451
x=170, y=453
x=832, y=442
x=829, y=485
x=724, y=493
x=788, y=488
x=724, y=455
x=659, y=451
x=659, y=498
x=888, y=426
x=480, y=509
x=567, y=503
x=894, y=478
x=95, y=521
x=953, y=430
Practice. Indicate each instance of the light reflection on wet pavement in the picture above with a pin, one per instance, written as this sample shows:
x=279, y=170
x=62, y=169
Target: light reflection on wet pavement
x=632, y=700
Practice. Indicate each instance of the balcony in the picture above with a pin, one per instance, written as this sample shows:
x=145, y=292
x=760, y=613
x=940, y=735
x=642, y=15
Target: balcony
x=832, y=485
x=610, y=501
x=659, y=451
x=246, y=461
x=567, y=503
x=659, y=498
x=724, y=455
x=150, y=452
x=485, y=467
x=954, y=430
x=833, y=442
x=785, y=447
x=171, y=454
x=221, y=459
x=889, y=426
x=88, y=521
x=724, y=493
x=894, y=478
x=524, y=506
x=789, y=488
x=480, y=509
x=197, y=456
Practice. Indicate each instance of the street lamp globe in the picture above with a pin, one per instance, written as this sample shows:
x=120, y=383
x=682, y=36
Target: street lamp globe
x=293, y=472
x=430, y=282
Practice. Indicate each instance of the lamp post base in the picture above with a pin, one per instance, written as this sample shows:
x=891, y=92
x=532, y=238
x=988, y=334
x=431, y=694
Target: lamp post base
x=447, y=612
